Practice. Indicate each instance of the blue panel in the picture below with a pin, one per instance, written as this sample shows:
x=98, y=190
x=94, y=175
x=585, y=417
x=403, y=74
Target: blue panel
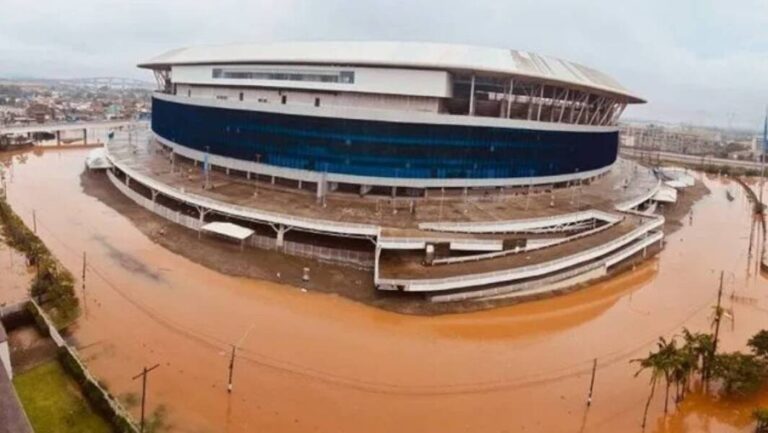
x=383, y=149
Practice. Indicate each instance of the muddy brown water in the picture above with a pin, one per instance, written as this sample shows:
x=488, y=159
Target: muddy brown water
x=317, y=362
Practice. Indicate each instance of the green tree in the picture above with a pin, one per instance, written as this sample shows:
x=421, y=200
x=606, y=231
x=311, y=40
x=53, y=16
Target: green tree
x=759, y=344
x=761, y=417
x=739, y=373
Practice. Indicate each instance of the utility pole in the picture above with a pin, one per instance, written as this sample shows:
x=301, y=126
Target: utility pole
x=143, y=376
x=718, y=314
x=762, y=157
x=592, y=382
x=34, y=222
x=84, y=271
x=231, y=368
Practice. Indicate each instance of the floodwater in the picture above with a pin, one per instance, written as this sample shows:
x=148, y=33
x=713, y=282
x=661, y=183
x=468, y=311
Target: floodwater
x=313, y=362
x=15, y=275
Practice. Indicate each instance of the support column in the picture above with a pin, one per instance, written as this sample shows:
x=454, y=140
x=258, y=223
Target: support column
x=564, y=106
x=154, y=195
x=472, y=96
x=85, y=136
x=322, y=185
x=541, y=102
x=530, y=103
x=280, y=241
x=203, y=213
x=58, y=138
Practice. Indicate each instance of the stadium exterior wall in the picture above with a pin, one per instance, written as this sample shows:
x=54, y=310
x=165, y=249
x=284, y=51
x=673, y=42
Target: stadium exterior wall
x=368, y=150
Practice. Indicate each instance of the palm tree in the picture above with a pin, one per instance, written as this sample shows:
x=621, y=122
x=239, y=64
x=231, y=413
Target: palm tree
x=649, y=363
x=701, y=348
x=659, y=364
x=682, y=368
x=668, y=356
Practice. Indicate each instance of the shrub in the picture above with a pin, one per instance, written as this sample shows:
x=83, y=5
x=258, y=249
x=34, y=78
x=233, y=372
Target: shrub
x=761, y=416
x=53, y=285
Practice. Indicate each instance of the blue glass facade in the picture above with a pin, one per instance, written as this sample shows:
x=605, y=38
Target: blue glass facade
x=382, y=149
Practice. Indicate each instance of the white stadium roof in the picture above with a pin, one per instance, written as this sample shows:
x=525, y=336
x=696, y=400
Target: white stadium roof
x=421, y=55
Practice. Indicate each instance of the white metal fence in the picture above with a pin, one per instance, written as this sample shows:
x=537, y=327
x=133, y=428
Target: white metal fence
x=169, y=214
x=359, y=259
x=468, y=280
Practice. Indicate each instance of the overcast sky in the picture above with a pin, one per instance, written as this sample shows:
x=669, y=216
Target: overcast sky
x=697, y=61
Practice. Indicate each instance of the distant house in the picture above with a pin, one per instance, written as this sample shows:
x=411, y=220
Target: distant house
x=113, y=111
x=40, y=113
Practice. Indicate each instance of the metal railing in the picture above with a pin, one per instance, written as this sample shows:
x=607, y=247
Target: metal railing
x=456, y=282
x=476, y=257
x=520, y=225
x=360, y=259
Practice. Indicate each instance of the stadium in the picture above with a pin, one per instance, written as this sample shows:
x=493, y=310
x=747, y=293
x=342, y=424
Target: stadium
x=462, y=172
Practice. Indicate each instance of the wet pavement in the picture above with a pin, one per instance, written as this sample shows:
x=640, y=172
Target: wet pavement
x=317, y=362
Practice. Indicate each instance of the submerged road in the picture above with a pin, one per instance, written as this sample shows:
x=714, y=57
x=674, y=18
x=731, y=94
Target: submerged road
x=314, y=362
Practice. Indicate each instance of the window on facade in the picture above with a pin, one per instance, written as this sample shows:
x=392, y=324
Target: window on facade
x=189, y=93
x=345, y=77
x=317, y=102
x=241, y=96
x=284, y=99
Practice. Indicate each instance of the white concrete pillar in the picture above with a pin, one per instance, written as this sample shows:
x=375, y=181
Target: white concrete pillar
x=472, y=96
x=280, y=237
x=321, y=189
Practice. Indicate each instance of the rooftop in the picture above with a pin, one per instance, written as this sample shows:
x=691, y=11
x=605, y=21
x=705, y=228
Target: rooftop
x=421, y=55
